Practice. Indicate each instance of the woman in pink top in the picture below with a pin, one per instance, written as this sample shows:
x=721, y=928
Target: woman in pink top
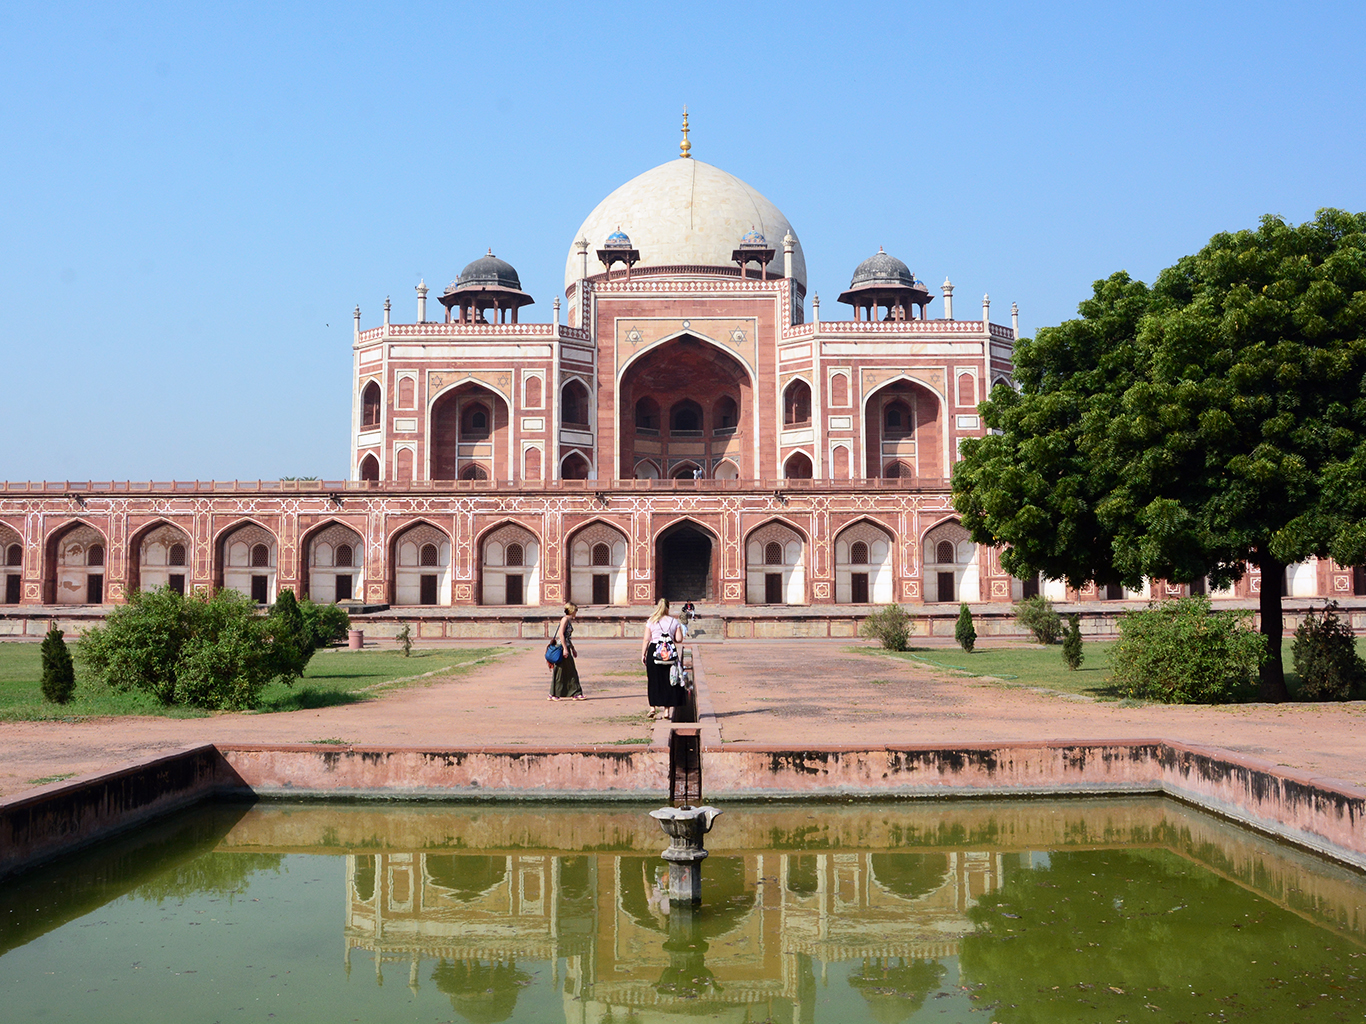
x=664, y=630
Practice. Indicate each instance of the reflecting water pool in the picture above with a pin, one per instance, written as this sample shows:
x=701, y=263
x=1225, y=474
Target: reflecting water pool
x=1083, y=910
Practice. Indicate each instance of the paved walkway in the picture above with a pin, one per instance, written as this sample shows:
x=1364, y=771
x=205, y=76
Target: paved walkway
x=773, y=692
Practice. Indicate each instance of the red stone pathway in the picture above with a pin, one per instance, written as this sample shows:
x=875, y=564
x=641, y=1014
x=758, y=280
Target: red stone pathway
x=788, y=693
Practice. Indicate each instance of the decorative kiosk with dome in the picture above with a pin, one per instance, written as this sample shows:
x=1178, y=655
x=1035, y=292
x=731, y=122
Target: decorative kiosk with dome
x=685, y=424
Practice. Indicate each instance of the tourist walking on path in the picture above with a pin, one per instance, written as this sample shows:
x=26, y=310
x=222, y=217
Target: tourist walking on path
x=659, y=650
x=564, y=674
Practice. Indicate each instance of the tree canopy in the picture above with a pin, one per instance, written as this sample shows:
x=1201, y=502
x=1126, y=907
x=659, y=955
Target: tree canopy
x=1215, y=420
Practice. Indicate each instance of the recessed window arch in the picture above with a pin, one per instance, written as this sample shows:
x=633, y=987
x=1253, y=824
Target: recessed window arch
x=369, y=469
x=514, y=554
x=944, y=553
x=897, y=418
x=602, y=554
x=474, y=471
x=14, y=555
x=429, y=555
x=685, y=417
x=685, y=471
x=176, y=555
x=574, y=467
x=95, y=555
x=797, y=404
x=797, y=467
x=370, y=398
x=531, y=392
x=260, y=556
x=344, y=555
x=476, y=422
x=725, y=415
x=967, y=389
x=839, y=389
x=403, y=465
x=407, y=392
x=858, y=553
x=773, y=553
x=574, y=404
x=646, y=470
x=647, y=414
x=898, y=470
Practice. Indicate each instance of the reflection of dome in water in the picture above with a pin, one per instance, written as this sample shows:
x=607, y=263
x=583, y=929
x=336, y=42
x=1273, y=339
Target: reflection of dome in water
x=726, y=902
x=894, y=987
x=910, y=875
x=481, y=993
x=465, y=878
x=684, y=213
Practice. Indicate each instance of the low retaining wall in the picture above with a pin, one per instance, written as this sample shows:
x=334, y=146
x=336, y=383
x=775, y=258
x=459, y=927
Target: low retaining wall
x=1323, y=815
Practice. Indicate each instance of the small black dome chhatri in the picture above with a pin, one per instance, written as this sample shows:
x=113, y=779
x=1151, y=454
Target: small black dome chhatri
x=490, y=272
x=884, y=270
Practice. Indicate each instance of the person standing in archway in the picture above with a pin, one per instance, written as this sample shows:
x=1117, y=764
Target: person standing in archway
x=564, y=674
x=660, y=650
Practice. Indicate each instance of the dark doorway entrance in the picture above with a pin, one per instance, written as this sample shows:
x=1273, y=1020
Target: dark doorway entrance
x=260, y=593
x=344, y=587
x=946, y=586
x=773, y=588
x=1030, y=587
x=1358, y=581
x=601, y=592
x=12, y=589
x=426, y=589
x=514, y=590
x=684, y=559
x=176, y=581
x=94, y=588
x=858, y=587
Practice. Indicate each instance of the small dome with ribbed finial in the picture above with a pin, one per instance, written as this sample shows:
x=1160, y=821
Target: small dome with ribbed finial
x=882, y=269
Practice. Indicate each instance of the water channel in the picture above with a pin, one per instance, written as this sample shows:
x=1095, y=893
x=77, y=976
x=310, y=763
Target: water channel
x=1050, y=911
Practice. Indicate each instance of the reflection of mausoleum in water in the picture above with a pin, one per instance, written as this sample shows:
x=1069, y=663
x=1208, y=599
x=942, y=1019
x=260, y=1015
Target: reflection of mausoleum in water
x=471, y=925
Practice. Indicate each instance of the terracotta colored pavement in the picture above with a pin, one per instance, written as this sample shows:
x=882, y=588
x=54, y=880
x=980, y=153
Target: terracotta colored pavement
x=779, y=692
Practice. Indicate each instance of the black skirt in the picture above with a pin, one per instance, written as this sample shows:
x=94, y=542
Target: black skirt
x=662, y=693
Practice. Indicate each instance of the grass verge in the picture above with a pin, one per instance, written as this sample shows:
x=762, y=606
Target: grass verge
x=1019, y=666
x=333, y=677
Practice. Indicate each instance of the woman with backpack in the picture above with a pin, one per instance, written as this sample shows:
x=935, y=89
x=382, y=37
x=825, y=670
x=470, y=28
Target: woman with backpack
x=660, y=651
x=564, y=674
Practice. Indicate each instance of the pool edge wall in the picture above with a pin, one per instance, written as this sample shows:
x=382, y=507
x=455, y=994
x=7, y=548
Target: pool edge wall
x=1320, y=814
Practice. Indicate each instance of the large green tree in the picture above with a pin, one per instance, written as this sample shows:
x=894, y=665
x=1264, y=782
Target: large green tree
x=1213, y=421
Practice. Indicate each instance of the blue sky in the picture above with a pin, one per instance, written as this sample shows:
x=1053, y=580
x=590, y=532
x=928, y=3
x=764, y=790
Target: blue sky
x=195, y=196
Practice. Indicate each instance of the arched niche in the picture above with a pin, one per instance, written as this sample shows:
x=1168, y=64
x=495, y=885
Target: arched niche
x=686, y=398
x=797, y=404
x=775, y=565
x=469, y=424
x=797, y=467
x=371, y=405
x=159, y=556
x=334, y=566
x=904, y=427
x=687, y=562
x=11, y=565
x=369, y=469
x=246, y=557
x=75, y=564
x=574, y=406
x=863, y=564
x=597, y=566
x=950, y=571
x=420, y=561
x=574, y=467
x=510, y=566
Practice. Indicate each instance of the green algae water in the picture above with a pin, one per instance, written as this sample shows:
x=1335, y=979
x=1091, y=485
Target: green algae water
x=1085, y=910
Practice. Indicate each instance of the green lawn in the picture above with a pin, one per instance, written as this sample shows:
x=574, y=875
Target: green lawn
x=1019, y=666
x=1036, y=665
x=333, y=677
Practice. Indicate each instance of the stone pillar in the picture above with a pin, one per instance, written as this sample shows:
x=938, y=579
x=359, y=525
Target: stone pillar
x=948, y=299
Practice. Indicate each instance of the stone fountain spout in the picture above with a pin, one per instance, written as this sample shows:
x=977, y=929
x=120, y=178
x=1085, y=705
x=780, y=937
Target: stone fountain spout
x=685, y=827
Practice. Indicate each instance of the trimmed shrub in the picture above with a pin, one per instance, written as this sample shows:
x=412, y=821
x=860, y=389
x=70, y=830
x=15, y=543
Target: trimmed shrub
x=1036, y=614
x=964, y=631
x=1071, y=644
x=211, y=653
x=324, y=624
x=404, y=638
x=291, y=645
x=891, y=627
x=1326, y=657
x=59, y=674
x=1181, y=652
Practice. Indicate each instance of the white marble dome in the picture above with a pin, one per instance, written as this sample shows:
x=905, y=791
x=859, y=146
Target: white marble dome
x=685, y=212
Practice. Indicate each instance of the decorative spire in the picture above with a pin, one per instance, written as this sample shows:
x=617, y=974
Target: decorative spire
x=685, y=147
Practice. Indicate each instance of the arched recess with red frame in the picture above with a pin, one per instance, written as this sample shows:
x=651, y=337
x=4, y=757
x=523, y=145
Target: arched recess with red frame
x=865, y=563
x=685, y=397
x=11, y=564
x=775, y=564
x=333, y=566
x=904, y=426
x=160, y=554
x=74, y=564
x=509, y=560
x=420, y=565
x=246, y=560
x=469, y=425
x=599, y=555
x=687, y=562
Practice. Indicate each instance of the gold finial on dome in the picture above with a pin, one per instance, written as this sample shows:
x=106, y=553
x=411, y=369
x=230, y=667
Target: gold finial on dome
x=685, y=146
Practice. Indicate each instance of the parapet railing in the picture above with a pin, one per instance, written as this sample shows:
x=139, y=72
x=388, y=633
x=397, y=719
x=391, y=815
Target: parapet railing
x=591, y=487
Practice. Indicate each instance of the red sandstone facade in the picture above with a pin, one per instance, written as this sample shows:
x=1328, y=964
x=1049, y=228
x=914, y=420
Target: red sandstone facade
x=682, y=432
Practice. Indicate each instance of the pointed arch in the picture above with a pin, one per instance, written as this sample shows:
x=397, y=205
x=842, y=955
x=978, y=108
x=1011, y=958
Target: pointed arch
x=574, y=466
x=332, y=568
x=152, y=559
x=238, y=564
x=687, y=557
x=796, y=403
x=469, y=419
x=949, y=559
x=922, y=445
x=776, y=553
x=413, y=578
x=369, y=468
x=797, y=466
x=509, y=559
x=68, y=578
x=593, y=578
x=865, y=562
x=371, y=405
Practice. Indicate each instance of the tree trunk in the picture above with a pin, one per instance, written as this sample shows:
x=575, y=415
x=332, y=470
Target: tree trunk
x=1273, y=625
